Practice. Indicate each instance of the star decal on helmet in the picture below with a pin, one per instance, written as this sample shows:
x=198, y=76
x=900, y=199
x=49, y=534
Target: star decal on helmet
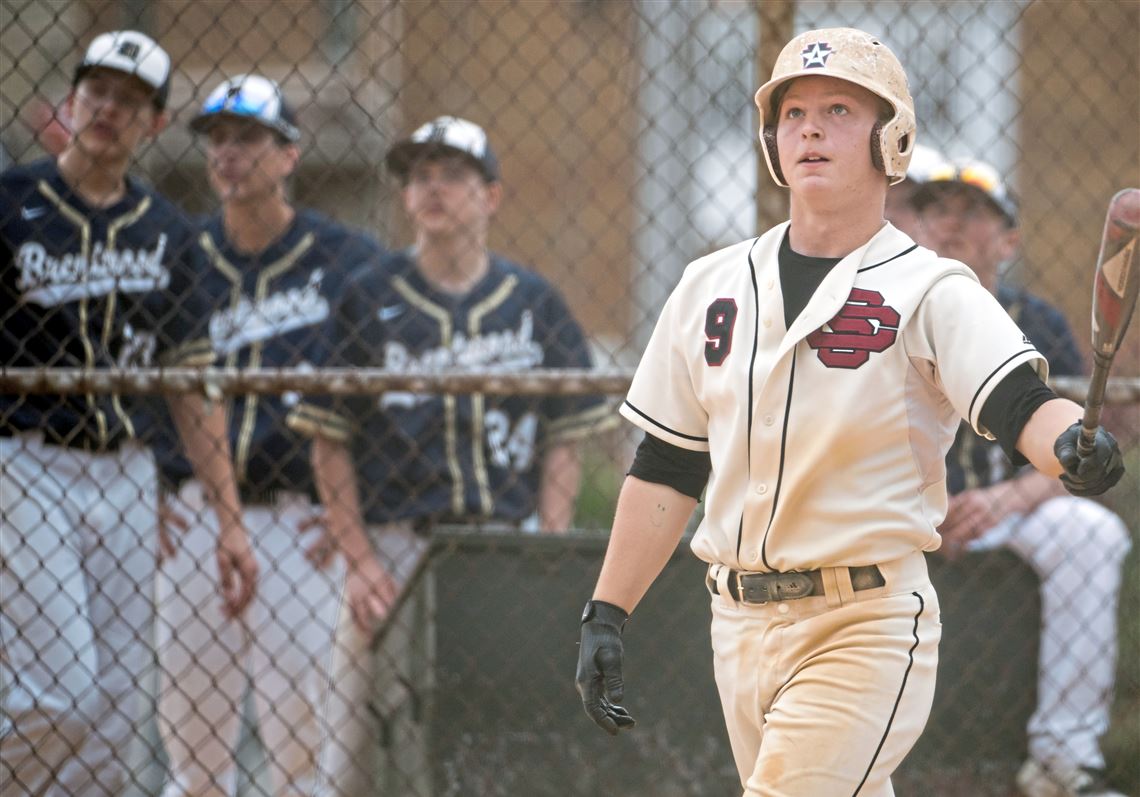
x=816, y=54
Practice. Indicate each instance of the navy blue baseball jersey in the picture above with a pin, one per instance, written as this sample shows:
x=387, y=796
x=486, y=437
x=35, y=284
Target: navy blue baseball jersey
x=465, y=456
x=265, y=310
x=85, y=287
x=976, y=462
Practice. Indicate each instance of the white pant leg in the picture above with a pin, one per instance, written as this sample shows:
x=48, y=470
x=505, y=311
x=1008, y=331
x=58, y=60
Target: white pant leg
x=1076, y=547
x=119, y=561
x=292, y=643
x=362, y=683
x=47, y=651
x=203, y=660
x=826, y=695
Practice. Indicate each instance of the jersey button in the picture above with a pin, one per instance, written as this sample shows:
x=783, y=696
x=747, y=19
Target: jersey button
x=783, y=608
x=769, y=420
x=761, y=488
x=767, y=322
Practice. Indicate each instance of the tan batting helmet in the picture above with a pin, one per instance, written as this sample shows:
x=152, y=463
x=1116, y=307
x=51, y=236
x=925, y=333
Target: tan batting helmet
x=859, y=58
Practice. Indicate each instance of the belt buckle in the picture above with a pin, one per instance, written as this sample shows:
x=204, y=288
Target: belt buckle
x=790, y=586
x=769, y=587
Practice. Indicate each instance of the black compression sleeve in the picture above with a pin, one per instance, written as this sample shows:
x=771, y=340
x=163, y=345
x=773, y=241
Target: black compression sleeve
x=659, y=462
x=1010, y=405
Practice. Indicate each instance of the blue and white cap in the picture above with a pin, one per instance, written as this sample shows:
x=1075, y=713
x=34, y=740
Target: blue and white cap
x=925, y=162
x=248, y=97
x=972, y=175
x=447, y=133
x=133, y=53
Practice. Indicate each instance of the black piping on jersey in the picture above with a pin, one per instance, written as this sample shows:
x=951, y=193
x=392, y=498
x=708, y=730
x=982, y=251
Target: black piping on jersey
x=898, y=697
x=888, y=260
x=751, y=371
x=264, y=276
x=665, y=428
x=993, y=373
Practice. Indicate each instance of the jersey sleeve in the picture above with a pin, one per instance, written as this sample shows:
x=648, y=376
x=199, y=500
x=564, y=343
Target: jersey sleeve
x=1060, y=348
x=339, y=344
x=971, y=342
x=181, y=313
x=662, y=399
x=569, y=417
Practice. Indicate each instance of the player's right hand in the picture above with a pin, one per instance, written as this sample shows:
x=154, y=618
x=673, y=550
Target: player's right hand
x=237, y=567
x=599, y=679
x=169, y=520
x=370, y=591
x=1092, y=474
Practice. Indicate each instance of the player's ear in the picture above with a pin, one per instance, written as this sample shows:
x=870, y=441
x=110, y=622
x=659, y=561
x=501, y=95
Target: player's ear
x=494, y=197
x=158, y=124
x=292, y=158
x=1009, y=243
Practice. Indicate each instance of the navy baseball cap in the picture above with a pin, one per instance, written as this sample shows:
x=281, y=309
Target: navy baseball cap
x=445, y=134
x=975, y=175
x=133, y=53
x=248, y=97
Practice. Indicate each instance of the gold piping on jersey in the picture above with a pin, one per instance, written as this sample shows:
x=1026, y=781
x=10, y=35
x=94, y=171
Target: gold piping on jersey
x=478, y=401
x=450, y=435
x=113, y=228
x=312, y=421
x=580, y=425
x=80, y=221
x=267, y=274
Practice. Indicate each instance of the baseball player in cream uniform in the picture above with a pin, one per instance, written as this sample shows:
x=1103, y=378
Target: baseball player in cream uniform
x=810, y=382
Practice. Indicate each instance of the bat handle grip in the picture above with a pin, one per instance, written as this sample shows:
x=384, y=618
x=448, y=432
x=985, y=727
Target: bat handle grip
x=1086, y=443
x=1094, y=401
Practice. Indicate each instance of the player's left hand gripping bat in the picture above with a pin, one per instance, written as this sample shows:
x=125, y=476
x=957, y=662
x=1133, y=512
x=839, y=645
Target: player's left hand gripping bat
x=1115, y=288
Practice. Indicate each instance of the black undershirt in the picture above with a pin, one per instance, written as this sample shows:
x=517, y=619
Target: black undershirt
x=1005, y=413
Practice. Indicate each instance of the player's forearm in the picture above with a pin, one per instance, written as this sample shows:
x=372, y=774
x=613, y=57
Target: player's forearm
x=205, y=440
x=335, y=476
x=1037, y=437
x=649, y=522
x=561, y=477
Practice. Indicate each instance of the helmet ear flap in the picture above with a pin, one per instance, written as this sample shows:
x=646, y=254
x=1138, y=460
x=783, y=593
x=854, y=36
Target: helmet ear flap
x=769, y=136
x=877, y=147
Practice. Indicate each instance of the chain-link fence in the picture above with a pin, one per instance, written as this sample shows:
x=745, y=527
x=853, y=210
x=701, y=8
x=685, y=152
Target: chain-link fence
x=625, y=137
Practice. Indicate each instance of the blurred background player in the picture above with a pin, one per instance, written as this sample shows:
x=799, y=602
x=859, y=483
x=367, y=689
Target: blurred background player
x=90, y=270
x=445, y=304
x=1076, y=546
x=898, y=210
x=267, y=272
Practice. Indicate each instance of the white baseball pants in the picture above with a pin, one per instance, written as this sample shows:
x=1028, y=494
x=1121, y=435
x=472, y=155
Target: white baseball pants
x=1076, y=547
x=280, y=648
x=375, y=743
x=77, y=550
x=824, y=696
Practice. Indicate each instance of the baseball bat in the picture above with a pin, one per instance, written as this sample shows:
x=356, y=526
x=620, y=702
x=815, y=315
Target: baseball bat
x=1115, y=286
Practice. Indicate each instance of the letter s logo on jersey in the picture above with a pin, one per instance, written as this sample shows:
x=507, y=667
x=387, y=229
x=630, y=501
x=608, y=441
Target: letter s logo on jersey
x=864, y=325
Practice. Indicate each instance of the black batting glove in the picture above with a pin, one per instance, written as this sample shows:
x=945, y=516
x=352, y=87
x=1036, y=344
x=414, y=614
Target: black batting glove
x=599, y=678
x=1091, y=475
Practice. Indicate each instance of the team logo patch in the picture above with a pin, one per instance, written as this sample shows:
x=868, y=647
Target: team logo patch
x=864, y=325
x=816, y=55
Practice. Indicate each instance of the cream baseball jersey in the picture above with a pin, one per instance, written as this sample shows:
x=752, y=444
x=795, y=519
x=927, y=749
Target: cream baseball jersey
x=827, y=439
